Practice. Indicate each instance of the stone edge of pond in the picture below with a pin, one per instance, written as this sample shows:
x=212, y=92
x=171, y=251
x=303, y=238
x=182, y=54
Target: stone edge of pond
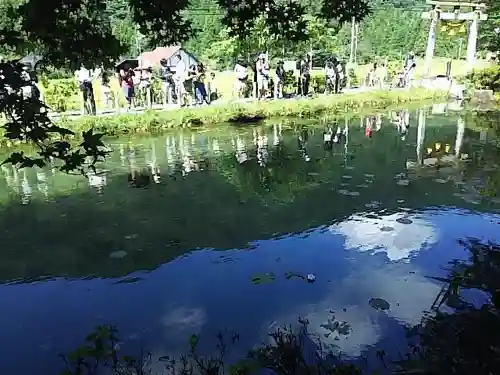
x=241, y=113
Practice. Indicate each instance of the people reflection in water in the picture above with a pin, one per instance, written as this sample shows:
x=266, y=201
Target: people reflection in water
x=302, y=142
x=98, y=180
x=402, y=121
x=262, y=154
x=378, y=122
x=137, y=178
x=328, y=138
x=241, y=153
x=27, y=191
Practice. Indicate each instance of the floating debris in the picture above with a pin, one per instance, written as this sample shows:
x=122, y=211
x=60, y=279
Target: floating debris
x=131, y=236
x=263, y=278
x=379, y=304
x=353, y=193
x=118, y=254
x=362, y=186
x=403, y=182
x=404, y=220
x=290, y=275
x=369, y=175
x=342, y=328
x=343, y=192
x=373, y=204
x=311, y=278
x=440, y=181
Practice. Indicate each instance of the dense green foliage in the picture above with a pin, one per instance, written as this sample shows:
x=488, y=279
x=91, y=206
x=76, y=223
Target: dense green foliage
x=485, y=79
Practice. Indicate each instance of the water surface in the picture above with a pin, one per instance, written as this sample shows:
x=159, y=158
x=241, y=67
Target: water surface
x=198, y=231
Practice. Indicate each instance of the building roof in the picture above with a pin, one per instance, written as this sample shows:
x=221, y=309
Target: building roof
x=153, y=57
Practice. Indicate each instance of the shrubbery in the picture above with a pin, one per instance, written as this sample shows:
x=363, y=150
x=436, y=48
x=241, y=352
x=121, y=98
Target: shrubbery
x=485, y=79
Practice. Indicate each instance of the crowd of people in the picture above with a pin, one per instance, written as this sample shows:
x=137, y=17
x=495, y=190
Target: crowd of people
x=191, y=85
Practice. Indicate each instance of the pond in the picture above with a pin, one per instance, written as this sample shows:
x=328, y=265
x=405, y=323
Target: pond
x=201, y=231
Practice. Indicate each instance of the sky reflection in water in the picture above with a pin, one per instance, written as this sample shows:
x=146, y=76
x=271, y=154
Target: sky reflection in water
x=381, y=243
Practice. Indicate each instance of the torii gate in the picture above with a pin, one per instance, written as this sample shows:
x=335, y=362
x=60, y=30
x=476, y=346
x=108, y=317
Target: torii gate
x=472, y=12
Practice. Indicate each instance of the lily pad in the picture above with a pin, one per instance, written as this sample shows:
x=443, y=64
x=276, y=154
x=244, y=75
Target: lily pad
x=346, y=177
x=118, y=254
x=386, y=229
x=343, y=192
x=263, y=278
x=379, y=304
x=404, y=220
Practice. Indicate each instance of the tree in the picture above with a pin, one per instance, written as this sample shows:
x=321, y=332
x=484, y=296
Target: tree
x=489, y=37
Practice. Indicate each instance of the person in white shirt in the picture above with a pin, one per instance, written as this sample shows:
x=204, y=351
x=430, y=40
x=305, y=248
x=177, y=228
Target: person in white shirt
x=240, y=79
x=262, y=69
x=179, y=79
x=84, y=79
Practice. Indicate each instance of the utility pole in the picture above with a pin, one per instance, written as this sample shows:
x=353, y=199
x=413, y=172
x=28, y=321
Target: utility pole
x=353, y=36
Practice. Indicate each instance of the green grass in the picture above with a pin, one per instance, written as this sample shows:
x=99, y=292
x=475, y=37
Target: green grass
x=155, y=121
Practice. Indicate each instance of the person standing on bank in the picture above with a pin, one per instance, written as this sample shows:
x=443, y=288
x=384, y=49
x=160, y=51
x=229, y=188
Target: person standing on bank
x=279, y=80
x=305, y=74
x=84, y=79
x=126, y=80
x=262, y=71
x=167, y=82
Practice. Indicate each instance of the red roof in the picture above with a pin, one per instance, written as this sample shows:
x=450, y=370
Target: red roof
x=154, y=57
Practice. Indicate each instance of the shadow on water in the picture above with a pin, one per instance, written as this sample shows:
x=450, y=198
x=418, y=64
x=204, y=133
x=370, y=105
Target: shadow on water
x=283, y=200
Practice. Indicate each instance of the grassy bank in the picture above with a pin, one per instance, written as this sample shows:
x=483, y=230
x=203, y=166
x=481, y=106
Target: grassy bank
x=156, y=121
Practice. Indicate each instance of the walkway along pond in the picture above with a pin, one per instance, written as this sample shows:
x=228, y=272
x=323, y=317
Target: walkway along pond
x=198, y=231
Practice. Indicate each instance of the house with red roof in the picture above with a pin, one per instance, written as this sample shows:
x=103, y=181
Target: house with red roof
x=153, y=58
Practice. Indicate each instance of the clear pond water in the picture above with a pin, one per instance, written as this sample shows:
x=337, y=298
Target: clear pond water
x=200, y=231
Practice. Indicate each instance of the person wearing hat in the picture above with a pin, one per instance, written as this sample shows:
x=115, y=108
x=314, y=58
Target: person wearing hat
x=167, y=82
x=262, y=72
x=241, y=79
x=279, y=80
x=305, y=74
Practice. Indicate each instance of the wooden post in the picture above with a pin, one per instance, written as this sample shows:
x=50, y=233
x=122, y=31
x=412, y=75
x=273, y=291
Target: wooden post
x=420, y=136
x=460, y=135
x=117, y=103
x=472, y=42
x=148, y=97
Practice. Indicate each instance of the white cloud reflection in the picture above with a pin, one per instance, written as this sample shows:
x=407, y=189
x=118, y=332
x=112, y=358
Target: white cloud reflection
x=398, y=235
x=395, y=280
x=408, y=292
